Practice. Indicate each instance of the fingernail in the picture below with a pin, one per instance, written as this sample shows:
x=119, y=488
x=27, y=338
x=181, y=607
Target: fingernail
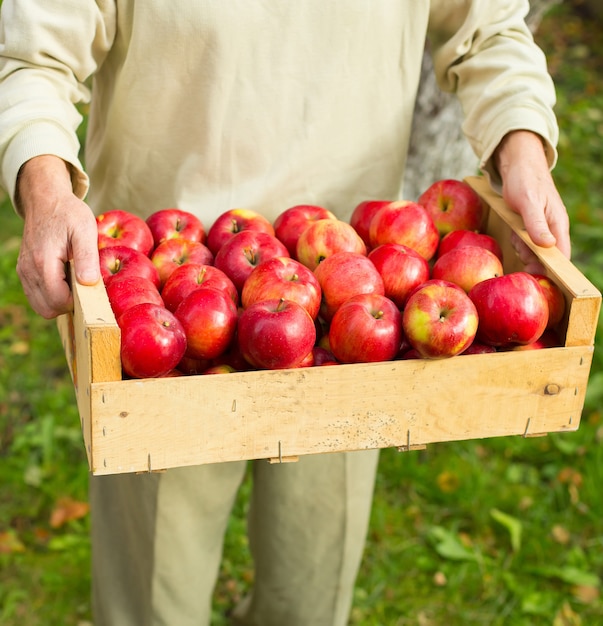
x=88, y=276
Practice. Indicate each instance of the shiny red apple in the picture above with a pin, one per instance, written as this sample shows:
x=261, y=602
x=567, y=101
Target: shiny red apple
x=283, y=277
x=124, y=292
x=343, y=275
x=439, y=320
x=554, y=297
x=365, y=329
x=126, y=261
x=453, y=205
x=466, y=266
x=232, y=222
x=276, y=334
x=122, y=228
x=289, y=224
x=325, y=237
x=152, y=341
x=457, y=238
x=362, y=215
x=244, y=251
x=407, y=223
x=401, y=268
x=209, y=318
x=172, y=253
x=512, y=309
x=191, y=276
x=173, y=223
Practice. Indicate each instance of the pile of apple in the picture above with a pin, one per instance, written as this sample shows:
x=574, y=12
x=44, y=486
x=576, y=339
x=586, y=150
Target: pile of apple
x=400, y=280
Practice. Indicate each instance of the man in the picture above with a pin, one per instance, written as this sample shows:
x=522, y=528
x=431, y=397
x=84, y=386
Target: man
x=207, y=106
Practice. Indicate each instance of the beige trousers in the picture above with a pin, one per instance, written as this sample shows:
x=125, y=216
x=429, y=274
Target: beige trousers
x=157, y=541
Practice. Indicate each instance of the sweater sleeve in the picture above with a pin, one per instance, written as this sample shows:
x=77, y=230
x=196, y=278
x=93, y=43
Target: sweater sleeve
x=48, y=51
x=485, y=53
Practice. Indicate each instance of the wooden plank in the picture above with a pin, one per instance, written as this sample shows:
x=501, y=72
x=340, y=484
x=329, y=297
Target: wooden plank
x=273, y=414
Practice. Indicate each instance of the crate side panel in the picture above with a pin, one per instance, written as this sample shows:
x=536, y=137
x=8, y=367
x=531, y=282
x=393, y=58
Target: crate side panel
x=583, y=299
x=66, y=328
x=157, y=424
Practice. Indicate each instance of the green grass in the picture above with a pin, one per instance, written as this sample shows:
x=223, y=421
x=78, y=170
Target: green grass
x=505, y=531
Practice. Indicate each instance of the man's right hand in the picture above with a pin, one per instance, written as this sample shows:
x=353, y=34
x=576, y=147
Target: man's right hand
x=58, y=227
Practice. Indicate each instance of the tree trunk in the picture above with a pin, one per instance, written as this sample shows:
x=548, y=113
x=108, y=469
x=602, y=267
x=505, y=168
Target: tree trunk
x=438, y=148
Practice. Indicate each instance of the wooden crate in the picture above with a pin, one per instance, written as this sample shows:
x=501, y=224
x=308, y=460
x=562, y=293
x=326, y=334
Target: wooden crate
x=154, y=424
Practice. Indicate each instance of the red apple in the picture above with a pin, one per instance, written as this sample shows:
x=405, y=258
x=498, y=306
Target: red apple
x=457, y=238
x=362, y=215
x=152, y=341
x=409, y=354
x=172, y=253
x=554, y=297
x=283, y=277
x=289, y=224
x=308, y=360
x=512, y=309
x=276, y=334
x=126, y=291
x=453, y=205
x=220, y=369
x=439, y=320
x=209, y=318
x=244, y=251
x=234, y=221
x=193, y=367
x=401, y=268
x=324, y=238
x=191, y=276
x=548, y=339
x=343, y=275
x=175, y=223
x=406, y=223
x=122, y=228
x=126, y=261
x=479, y=348
x=467, y=265
x=233, y=357
x=323, y=356
x=365, y=329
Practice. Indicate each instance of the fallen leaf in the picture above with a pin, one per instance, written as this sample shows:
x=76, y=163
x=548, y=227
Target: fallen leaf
x=448, y=482
x=66, y=510
x=560, y=534
x=10, y=542
x=567, y=617
x=586, y=594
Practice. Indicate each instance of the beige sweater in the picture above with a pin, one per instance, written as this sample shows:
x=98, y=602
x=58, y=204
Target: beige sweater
x=262, y=104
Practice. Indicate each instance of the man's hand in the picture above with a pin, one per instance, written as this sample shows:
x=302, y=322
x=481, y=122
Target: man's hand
x=529, y=189
x=58, y=227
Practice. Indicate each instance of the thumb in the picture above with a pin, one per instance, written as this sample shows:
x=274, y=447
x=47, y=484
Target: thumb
x=84, y=247
x=539, y=231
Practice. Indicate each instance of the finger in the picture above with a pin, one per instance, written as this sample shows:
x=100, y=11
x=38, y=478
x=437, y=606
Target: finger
x=544, y=215
x=46, y=290
x=530, y=261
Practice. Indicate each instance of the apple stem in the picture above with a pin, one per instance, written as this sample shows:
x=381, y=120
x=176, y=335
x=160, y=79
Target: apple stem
x=280, y=304
x=378, y=315
x=251, y=255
